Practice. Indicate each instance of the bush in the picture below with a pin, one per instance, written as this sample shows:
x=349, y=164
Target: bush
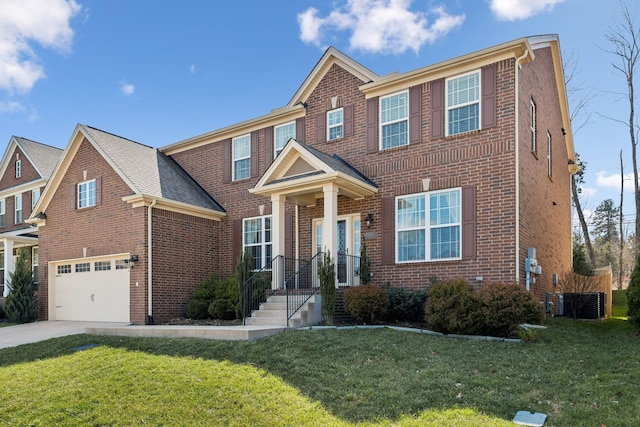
x=21, y=304
x=504, y=307
x=216, y=299
x=406, y=305
x=366, y=303
x=452, y=308
x=633, y=295
x=328, y=287
x=2, y=313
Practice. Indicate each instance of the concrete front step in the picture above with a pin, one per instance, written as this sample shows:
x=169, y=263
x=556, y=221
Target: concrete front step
x=274, y=312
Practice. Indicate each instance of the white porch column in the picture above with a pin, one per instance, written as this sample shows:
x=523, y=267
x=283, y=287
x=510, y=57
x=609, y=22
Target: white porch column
x=8, y=264
x=329, y=223
x=277, y=240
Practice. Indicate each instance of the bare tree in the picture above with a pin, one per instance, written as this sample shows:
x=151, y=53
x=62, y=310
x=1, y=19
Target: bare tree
x=624, y=38
x=576, y=180
x=621, y=253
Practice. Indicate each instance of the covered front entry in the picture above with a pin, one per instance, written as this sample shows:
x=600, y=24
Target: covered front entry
x=347, y=247
x=90, y=289
x=301, y=175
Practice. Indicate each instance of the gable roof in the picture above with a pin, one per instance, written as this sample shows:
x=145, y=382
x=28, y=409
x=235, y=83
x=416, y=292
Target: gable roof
x=41, y=156
x=300, y=173
x=149, y=174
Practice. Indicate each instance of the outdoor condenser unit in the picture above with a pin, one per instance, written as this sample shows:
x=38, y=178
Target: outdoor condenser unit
x=559, y=304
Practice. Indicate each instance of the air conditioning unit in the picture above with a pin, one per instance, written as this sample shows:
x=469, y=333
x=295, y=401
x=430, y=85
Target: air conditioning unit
x=559, y=304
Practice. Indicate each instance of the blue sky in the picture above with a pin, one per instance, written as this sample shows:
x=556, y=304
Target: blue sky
x=162, y=71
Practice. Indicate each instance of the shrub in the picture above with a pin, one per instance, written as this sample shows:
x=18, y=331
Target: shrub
x=504, y=307
x=328, y=286
x=198, y=309
x=365, y=266
x=406, y=305
x=366, y=303
x=21, y=304
x=633, y=295
x=215, y=298
x=452, y=308
x=2, y=313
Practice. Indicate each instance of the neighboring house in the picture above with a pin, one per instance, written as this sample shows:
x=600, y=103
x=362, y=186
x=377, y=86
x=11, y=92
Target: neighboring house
x=460, y=169
x=24, y=171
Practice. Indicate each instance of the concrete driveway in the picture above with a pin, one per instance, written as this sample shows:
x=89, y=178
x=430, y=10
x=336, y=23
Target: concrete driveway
x=12, y=336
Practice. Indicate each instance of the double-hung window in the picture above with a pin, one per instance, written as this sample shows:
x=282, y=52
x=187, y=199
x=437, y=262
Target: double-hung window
x=428, y=226
x=35, y=195
x=532, y=126
x=283, y=134
x=256, y=238
x=87, y=194
x=3, y=207
x=463, y=103
x=241, y=157
x=18, y=208
x=394, y=120
x=335, y=124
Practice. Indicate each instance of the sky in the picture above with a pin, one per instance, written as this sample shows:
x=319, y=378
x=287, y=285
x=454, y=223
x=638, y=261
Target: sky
x=161, y=71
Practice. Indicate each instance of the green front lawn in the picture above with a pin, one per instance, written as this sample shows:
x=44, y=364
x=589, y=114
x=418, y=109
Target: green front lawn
x=619, y=303
x=579, y=373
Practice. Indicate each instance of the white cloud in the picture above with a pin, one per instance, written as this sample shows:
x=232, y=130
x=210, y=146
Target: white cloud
x=387, y=26
x=10, y=107
x=512, y=10
x=603, y=179
x=127, y=88
x=192, y=69
x=23, y=23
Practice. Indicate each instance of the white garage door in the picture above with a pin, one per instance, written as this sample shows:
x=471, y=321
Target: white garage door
x=91, y=289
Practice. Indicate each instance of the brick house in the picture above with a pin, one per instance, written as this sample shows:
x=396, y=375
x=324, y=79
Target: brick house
x=25, y=168
x=459, y=169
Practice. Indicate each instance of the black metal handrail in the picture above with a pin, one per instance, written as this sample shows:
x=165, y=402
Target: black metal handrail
x=256, y=289
x=301, y=285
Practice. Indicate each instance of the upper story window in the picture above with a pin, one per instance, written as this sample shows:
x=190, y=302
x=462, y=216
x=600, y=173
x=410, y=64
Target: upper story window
x=463, y=103
x=532, y=126
x=283, y=134
x=3, y=207
x=35, y=196
x=428, y=226
x=18, y=208
x=87, y=194
x=256, y=238
x=394, y=120
x=549, y=156
x=241, y=157
x=335, y=124
x=18, y=168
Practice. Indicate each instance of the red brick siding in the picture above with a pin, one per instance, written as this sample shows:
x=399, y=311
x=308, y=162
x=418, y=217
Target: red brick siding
x=543, y=225
x=109, y=228
x=184, y=253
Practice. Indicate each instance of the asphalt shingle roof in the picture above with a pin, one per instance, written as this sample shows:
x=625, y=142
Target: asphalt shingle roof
x=150, y=172
x=44, y=157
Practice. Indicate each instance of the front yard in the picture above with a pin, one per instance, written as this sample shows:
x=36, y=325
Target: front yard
x=579, y=373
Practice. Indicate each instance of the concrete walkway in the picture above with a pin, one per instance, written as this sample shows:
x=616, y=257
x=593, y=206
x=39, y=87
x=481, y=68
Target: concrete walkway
x=12, y=336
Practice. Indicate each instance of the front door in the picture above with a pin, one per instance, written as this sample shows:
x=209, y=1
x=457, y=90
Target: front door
x=348, y=247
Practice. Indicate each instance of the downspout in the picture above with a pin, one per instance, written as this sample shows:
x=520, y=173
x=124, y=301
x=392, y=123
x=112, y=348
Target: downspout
x=296, y=222
x=517, y=152
x=150, y=263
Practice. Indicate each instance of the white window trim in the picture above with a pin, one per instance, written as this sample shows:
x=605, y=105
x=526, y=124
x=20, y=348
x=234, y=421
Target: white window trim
x=18, y=168
x=275, y=140
x=549, y=155
x=3, y=211
x=17, y=208
x=35, y=199
x=427, y=227
x=263, y=241
x=448, y=108
x=381, y=125
x=34, y=262
x=88, y=194
x=532, y=126
x=330, y=127
x=234, y=160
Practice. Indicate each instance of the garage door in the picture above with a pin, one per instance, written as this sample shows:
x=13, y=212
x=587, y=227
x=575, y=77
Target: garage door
x=91, y=289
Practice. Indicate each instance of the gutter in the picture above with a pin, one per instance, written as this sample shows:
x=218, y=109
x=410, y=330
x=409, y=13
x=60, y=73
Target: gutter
x=150, y=263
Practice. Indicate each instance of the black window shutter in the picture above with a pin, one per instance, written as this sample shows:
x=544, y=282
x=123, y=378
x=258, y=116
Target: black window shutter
x=254, y=154
x=489, y=111
x=469, y=222
x=321, y=131
x=415, y=114
x=372, y=125
x=268, y=146
x=388, y=227
x=237, y=239
x=437, y=108
x=300, y=129
x=226, y=161
x=348, y=120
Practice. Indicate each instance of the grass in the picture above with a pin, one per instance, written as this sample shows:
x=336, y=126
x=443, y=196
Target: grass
x=619, y=303
x=579, y=373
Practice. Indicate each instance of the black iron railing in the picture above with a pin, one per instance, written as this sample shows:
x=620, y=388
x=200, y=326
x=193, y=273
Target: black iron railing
x=301, y=285
x=256, y=289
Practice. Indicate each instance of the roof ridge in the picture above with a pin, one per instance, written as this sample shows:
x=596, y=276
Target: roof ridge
x=38, y=142
x=121, y=137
